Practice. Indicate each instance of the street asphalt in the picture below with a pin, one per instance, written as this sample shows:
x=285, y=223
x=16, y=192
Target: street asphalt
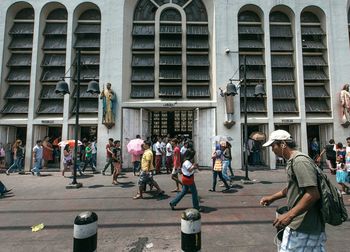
x=231, y=221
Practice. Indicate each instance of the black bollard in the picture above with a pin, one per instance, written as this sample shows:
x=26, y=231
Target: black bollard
x=85, y=232
x=191, y=230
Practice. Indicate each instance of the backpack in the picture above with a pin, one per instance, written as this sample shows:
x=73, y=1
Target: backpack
x=332, y=206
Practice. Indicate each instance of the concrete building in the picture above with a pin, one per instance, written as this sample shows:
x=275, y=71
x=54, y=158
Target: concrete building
x=166, y=61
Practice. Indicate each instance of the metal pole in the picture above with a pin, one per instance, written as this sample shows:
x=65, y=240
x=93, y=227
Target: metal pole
x=77, y=99
x=245, y=137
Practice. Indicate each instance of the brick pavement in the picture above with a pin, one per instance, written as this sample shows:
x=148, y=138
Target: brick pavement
x=231, y=222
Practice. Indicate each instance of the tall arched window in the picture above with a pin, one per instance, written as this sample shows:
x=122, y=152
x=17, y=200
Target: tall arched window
x=87, y=35
x=19, y=64
x=54, y=62
x=282, y=64
x=316, y=81
x=170, y=50
x=251, y=47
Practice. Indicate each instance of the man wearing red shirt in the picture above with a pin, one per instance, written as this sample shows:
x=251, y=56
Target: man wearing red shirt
x=109, y=154
x=177, y=164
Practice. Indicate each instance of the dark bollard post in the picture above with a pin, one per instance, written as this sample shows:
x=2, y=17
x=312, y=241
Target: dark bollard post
x=85, y=232
x=191, y=230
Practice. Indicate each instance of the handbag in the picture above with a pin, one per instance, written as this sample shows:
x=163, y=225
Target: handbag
x=187, y=180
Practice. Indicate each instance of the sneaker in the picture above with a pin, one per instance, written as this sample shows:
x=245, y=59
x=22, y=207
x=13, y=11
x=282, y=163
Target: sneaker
x=225, y=190
x=172, y=206
x=32, y=171
x=211, y=190
x=7, y=172
x=343, y=193
x=21, y=173
x=103, y=173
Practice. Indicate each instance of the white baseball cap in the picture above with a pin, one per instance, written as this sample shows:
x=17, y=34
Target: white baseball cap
x=279, y=135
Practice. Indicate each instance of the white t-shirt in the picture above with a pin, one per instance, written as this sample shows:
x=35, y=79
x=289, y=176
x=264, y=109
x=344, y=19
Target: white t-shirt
x=169, y=150
x=158, y=148
x=185, y=168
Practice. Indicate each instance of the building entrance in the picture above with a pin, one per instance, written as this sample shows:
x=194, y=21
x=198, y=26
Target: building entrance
x=172, y=123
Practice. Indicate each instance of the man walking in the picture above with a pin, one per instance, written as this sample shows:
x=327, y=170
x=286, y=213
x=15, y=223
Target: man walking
x=146, y=176
x=304, y=228
x=37, y=158
x=109, y=155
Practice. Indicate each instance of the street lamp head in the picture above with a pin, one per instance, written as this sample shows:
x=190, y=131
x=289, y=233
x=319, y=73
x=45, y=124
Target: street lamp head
x=93, y=87
x=259, y=90
x=62, y=88
x=231, y=89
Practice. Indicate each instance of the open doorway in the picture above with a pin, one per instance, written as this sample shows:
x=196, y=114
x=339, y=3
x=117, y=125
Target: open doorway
x=313, y=140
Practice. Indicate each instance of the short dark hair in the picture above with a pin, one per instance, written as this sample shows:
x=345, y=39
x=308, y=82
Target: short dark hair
x=348, y=138
x=138, y=136
x=331, y=141
x=38, y=141
x=174, y=140
x=111, y=139
x=190, y=154
x=117, y=141
x=147, y=142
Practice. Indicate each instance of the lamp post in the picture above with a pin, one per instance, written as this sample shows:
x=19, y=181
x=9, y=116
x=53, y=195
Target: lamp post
x=62, y=88
x=259, y=91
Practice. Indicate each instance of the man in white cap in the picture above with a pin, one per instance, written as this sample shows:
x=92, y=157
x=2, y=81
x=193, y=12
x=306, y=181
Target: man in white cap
x=304, y=228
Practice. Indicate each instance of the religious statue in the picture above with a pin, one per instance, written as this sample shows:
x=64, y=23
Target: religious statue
x=228, y=95
x=109, y=100
x=345, y=102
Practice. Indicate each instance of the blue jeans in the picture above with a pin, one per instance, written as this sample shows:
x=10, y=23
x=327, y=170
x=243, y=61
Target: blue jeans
x=225, y=167
x=215, y=176
x=17, y=165
x=37, y=166
x=181, y=194
x=94, y=158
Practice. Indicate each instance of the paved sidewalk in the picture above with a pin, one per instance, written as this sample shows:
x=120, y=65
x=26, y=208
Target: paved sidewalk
x=231, y=221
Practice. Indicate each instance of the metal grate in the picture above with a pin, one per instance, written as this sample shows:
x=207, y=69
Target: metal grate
x=281, y=44
x=282, y=75
x=22, y=29
x=88, y=29
x=142, y=91
x=20, y=59
x=17, y=92
x=87, y=106
x=283, y=92
x=48, y=92
x=284, y=106
x=50, y=107
x=281, y=31
x=314, y=92
x=55, y=29
x=15, y=107
x=170, y=91
x=52, y=74
x=21, y=42
x=55, y=43
x=198, y=91
x=19, y=74
x=278, y=61
x=54, y=60
x=316, y=105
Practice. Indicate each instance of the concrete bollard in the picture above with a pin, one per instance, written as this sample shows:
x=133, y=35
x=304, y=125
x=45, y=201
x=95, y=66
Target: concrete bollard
x=85, y=232
x=191, y=230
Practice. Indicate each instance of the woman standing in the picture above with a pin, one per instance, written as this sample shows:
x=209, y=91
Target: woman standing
x=67, y=159
x=18, y=153
x=188, y=181
x=117, y=161
x=47, y=151
x=217, y=170
x=345, y=102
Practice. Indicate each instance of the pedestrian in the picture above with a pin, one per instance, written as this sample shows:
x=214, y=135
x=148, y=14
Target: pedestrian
x=225, y=162
x=347, y=157
x=188, y=168
x=135, y=160
x=329, y=149
x=183, y=151
x=146, y=175
x=109, y=155
x=117, y=161
x=88, y=158
x=217, y=157
x=163, y=144
x=159, y=154
x=341, y=174
x=176, y=164
x=229, y=147
x=304, y=229
x=8, y=155
x=315, y=148
x=47, y=151
x=37, y=158
x=169, y=156
x=18, y=155
x=67, y=159
x=94, y=151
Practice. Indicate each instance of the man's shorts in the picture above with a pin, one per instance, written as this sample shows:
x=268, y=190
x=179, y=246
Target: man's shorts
x=297, y=241
x=145, y=178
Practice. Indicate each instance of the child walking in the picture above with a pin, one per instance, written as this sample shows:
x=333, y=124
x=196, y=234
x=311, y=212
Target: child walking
x=341, y=174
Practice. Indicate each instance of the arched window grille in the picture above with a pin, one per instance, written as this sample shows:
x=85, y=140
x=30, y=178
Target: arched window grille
x=282, y=64
x=54, y=61
x=170, y=52
x=251, y=46
x=87, y=34
x=19, y=64
x=316, y=81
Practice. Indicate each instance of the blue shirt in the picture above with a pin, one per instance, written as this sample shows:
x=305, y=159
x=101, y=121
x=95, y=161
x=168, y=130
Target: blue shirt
x=38, y=150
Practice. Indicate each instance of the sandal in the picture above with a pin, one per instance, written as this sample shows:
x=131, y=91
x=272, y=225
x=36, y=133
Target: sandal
x=115, y=182
x=175, y=190
x=138, y=196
